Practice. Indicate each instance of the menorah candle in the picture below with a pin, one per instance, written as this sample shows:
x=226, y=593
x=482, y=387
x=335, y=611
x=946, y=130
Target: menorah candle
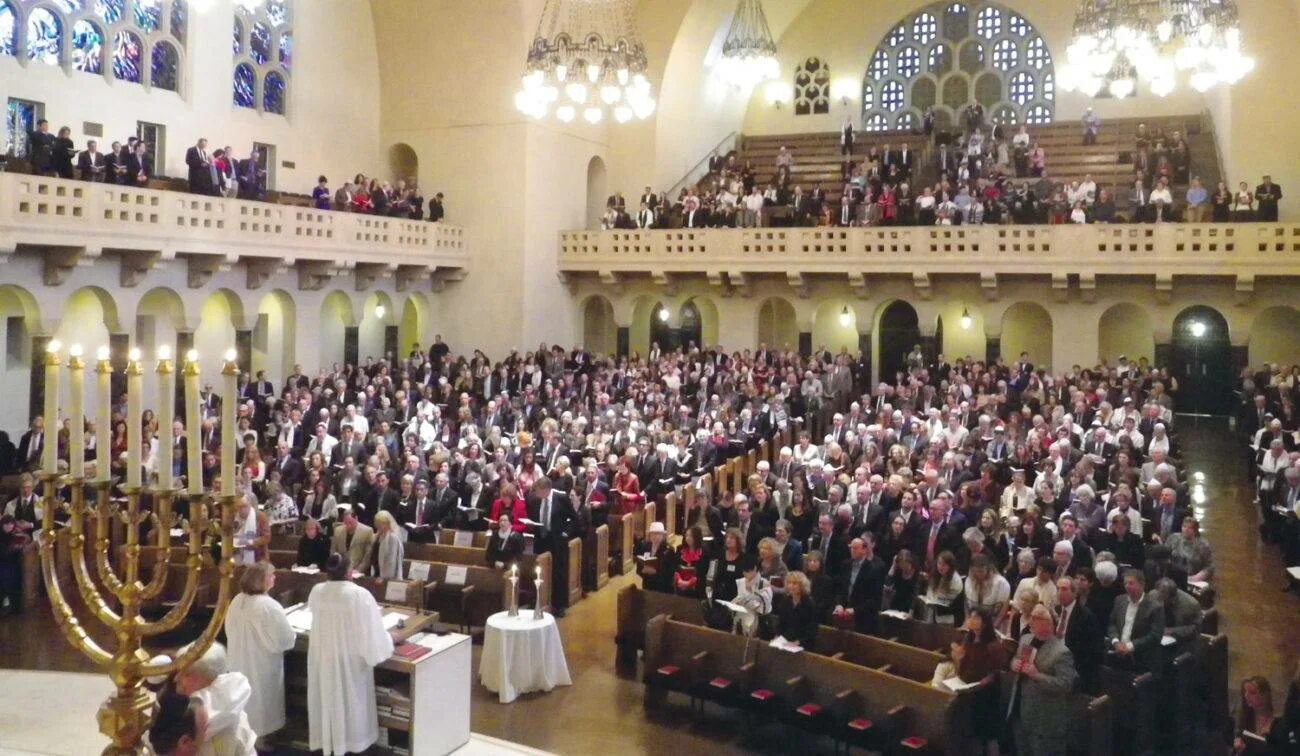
x=104, y=415
x=230, y=373
x=76, y=414
x=50, y=457
x=134, y=417
x=166, y=409
x=193, y=424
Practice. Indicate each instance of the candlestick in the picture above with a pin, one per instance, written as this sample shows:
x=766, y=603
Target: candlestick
x=50, y=457
x=537, y=605
x=134, y=417
x=103, y=414
x=514, y=594
x=166, y=409
x=193, y=424
x=229, y=374
x=76, y=414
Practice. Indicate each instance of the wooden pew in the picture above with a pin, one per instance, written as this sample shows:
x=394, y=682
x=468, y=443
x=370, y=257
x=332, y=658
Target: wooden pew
x=470, y=556
x=904, y=661
x=636, y=607
x=478, y=539
x=642, y=517
x=620, y=540
x=469, y=603
x=575, y=571
x=670, y=513
x=595, y=559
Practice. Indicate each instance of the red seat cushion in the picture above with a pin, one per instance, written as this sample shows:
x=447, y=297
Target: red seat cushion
x=809, y=710
x=720, y=682
x=762, y=694
x=668, y=670
x=860, y=724
x=914, y=742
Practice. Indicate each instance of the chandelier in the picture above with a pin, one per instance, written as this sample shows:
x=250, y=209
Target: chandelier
x=748, y=54
x=586, y=58
x=1117, y=42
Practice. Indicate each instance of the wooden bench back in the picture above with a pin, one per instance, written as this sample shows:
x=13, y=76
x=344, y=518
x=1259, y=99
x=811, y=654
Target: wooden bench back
x=869, y=651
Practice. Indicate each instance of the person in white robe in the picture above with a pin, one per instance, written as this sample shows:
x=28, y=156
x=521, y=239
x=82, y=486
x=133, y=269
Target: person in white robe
x=347, y=641
x=224, y=696
x=258, y=634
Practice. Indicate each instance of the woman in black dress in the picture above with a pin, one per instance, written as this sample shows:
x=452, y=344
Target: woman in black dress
x=795, y=613
x=313, y=547
x=1220, y=203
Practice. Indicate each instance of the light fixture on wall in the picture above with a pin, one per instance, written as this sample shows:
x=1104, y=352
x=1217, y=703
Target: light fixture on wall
x=965, y=319
x=663, y=315
x=1197, y=329
x=1117, y=42
x=103, y=353
x=749, y=52
x=778, y=93
x=844, y=90
x=586, y=54
x=844, y=317
x=379, y=311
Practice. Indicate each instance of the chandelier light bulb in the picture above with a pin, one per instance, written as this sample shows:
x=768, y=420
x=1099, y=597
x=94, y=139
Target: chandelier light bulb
x=609, y=94
x=103, y=353
x=380, y=310
x=623, y=114
x=1162, y=86
x=1203, y=81
x=593, y=115
x=164, y=352
x=576, y=92
x=561, y=72
x=844, y=317
x=192, y=355
x=1121, y=88
x=74, y=350
x=593, y=73
x=231, y=355
x=623, y=76
x=565, y=113
x=965, y=319
x=663, y=315
x=134, y=354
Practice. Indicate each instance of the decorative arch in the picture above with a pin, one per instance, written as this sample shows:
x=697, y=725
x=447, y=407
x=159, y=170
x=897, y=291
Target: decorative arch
x=980, y=51
x=1125, y=329
x=1201, y=360
x=403, y=163
x=337, y=316
x=834, y=326
x=778, y=326
x=164, y=303
x=599, y=330
x=275, y=335
x=897, y=329
x=707, y=312
x=812, y=87
x=414, y=324
x=1027, y=327
x=102, y=38
x=373, y=331
x=1275, y=337
x=21, y=315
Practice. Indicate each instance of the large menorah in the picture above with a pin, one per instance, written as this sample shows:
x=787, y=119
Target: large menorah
x=116, y=599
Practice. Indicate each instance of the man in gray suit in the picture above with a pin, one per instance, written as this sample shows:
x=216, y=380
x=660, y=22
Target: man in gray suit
x=1182, y=613
x=353, y=539
x=1040, y=694
x=1137, y=623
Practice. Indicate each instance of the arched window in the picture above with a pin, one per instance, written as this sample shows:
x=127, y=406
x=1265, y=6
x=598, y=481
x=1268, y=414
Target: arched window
x=812, y=87
x=949, y=54
x=876, y=123
x=112, y=38
x=262, y=46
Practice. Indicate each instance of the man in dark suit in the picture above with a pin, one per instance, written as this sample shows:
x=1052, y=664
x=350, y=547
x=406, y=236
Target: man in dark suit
x=558, y=523
x=833, y=546
x=347, y=446
x=436, y=210
x=694, y=216
x=1137, y=623
x=31, y=445
x=200, y=168
x=292, y=473
x=751, y=529
x=862, y=586
x=1267, y=194
x=1083, y=635
x=40, y=147
x=1167, y=517
x=91, y=163
x=936, y=537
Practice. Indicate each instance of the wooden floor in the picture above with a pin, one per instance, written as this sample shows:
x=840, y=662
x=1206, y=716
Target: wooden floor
x=602, y=712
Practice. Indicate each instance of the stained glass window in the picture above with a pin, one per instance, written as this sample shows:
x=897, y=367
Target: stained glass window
x=1038, y=115
x=180, y=20
x=6, y=29
x=876, y=123
x=924, y=28
x=126, y=57
x=259, y=43
x=273, y=94
x=940, y=61
x=109, y=10
x=1018, y=26
x=1005, y=116
x=237, y=37
x=868, y=97
x=879, y=67
x=244, y=86
x=163, y=72
x=891, y=96
x=20, y=119
x=909, y=62
x=286, y=50
x=906, y=121
x=87, y=48
x=812, y=87
x=44, y=32
x=897, y=36
x=278, y=12
x=148, y=15
x=1049, y=87
x=988, y=23
x=1036, y=53
x=68, y=6
x=1022, y=88
x=1005, y=55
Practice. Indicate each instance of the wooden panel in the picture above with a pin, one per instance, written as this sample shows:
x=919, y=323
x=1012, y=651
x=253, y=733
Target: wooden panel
x=602, y=556
x=670, y=513
x=575, y=571
x=620, y=538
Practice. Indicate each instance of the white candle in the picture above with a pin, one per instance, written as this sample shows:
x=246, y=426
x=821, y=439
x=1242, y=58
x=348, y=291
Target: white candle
x=193, y=424
x=230, y=374
x=134, y=417
x=104, y=415
x=50, y=457
x=76, y=414
x=166, y=408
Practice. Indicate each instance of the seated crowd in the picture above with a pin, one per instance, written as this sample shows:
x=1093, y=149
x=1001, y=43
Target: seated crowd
x=983, y=175
x=1269, y=425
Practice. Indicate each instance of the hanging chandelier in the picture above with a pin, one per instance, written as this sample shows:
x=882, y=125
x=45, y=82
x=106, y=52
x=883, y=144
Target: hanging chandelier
x=748, y=54
x=585, y=60
x=1116, y=43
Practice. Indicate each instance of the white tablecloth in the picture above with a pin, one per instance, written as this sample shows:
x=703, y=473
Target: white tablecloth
x=521, y=655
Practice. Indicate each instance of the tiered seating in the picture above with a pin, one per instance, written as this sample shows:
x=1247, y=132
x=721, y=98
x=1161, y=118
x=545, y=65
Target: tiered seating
x=817, y=156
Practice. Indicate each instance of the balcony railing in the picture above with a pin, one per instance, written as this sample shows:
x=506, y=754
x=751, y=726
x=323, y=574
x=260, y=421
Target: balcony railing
x=41, y=211
x=1163, y=250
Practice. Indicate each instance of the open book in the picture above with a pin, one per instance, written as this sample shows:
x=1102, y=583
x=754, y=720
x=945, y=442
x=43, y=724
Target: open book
x=785, y=645
x=956, y=685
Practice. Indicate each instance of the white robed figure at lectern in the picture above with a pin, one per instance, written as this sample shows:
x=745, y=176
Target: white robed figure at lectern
x=257, y=635
x=347, y=641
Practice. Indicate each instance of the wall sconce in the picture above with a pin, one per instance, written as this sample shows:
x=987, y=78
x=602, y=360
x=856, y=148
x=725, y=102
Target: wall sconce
x=379, y=311
x=1197, y=328
x=663, y=315
x=779, y=93
x=844, y=317
x=844, y=90
x=965, y=319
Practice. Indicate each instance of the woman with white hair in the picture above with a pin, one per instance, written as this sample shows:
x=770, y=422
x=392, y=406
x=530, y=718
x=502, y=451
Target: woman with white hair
x=387, y=548
x=258, y=635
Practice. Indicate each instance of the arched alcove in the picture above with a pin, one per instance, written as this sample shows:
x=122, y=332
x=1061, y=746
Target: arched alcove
x=220, y=314
x=1275, y=337
x=21, y=319
x=596, y=191
x=403, y=163
x=336, y=317
x=414, y=325
x=1027, y=327
x=1125, y=329
x=377, y=314
x=897, y=331
x=1202, y=361
x=777, y=325
x=599, y=331
x=274, y=336
x=835, y=327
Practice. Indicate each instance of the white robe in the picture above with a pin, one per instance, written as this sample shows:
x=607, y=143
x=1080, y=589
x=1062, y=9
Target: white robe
x=257, y=635
x=347, y=640
x=228, y=732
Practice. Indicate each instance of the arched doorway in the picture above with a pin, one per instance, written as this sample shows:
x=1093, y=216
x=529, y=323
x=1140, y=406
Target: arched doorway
x=599, y=332
x=777, y=326
x=691, y=330
x=1125, y=329
x=596, y=188
x=1027, y=328
x=1275, y=337
x=661, y=328
x=1202, y=361
x=899, y=331
x=403, y=163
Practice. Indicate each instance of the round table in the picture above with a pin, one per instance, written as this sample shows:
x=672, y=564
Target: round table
x=521, y=655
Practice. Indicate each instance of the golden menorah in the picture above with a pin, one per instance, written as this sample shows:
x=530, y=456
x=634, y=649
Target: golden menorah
x=116, y=599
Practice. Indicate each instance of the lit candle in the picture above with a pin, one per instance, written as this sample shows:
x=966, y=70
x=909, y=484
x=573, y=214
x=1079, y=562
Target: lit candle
x=166, y=408
x=230, y=374
x=134, y=417
x=104, y=415
x=50, y=458
x=193, y=424
x=76, y=414
x=539, y=572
